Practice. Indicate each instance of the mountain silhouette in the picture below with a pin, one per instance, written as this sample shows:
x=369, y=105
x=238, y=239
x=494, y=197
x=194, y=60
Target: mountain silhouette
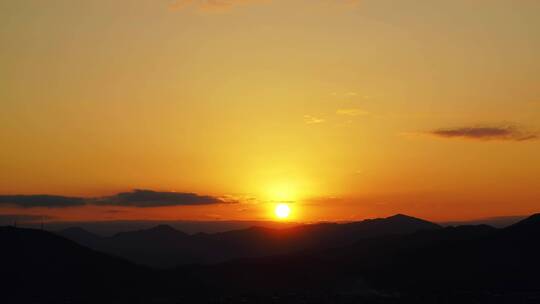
x=505, y=259
x=82, y=236
x=451, y=260
x=39, y=265
x=334, y=263
x=164, y=246
x=42, y=267
x=528, y=226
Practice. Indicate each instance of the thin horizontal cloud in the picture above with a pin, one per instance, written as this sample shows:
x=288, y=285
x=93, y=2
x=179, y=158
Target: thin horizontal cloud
x=352, y=112
x=310, y=120
x=346, y=94
x=48, y=201
x=10, y=219
x=505, y=133
x=136, y=198
x=149, y=198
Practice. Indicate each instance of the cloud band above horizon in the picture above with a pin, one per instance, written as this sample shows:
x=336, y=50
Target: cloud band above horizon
x=137, y=198
x=506, y=133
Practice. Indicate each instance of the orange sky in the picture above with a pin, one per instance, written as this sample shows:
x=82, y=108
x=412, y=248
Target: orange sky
x=348, y=109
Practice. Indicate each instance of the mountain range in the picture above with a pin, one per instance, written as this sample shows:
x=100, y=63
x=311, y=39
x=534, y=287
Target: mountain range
x=164, y=246
x=393, y=260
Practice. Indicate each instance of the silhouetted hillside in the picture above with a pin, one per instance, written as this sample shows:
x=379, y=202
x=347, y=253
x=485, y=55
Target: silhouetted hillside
x=497, y=222
x=82, y=236
x=41, y=267
x=504, y=260
x=111, y=227
x=163, y=246
x=465, y=264
x=527, y=227
x=336, y=269
x=453, y=260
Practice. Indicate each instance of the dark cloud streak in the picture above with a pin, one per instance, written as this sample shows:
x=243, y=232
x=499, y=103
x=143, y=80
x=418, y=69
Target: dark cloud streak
x=506, y=133
x=136, y=198
x=149, y=198
x=8, y=219
x=47, y=201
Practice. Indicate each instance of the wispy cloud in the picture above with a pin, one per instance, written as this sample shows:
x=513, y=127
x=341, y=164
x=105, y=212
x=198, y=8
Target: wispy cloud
x=349, y=94
x=505, y=133
x=352, y=112
x=310, y=120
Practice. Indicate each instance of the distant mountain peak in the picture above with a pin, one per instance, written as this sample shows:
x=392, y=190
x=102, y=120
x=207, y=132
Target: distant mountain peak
x=164, y=228
x=156, y=231
x=404, y=217
x=401, y=216
x=77, y=231
x=534, y=217
x=74, y=229
x=533, y=220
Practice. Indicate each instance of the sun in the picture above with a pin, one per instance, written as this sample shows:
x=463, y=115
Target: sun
x=282, y=211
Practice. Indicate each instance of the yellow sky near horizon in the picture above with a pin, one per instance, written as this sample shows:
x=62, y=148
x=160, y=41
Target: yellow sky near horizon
x=351, y=110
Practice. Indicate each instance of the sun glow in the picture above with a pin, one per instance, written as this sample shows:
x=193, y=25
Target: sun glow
x=284, y=191
x=282, y=211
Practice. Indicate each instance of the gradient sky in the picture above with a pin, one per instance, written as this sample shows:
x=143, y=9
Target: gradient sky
x=349, y=109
